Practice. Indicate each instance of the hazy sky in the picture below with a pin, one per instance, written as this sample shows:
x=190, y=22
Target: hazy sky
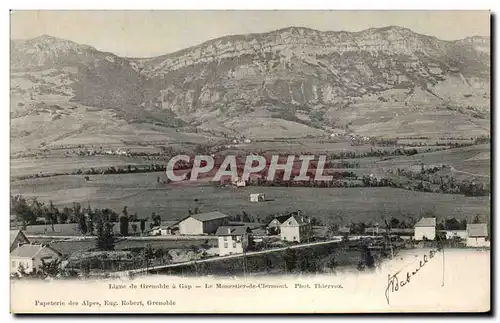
x=151, y=33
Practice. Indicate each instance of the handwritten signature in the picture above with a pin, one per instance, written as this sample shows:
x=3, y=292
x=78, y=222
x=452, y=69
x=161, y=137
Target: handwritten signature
x=395, y=283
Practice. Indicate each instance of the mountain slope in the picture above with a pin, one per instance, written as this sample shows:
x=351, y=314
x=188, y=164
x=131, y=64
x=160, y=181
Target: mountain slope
x=289, y=82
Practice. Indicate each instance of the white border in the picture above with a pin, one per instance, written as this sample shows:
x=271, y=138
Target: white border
x=188, y=4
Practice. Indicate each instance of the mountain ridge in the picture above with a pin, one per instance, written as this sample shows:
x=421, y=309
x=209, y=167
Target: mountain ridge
x=296, y=80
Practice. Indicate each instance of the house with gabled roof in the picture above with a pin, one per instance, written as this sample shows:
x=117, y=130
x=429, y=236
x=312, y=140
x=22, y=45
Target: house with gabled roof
x=202, y=223
x=31, y=256
x=425, y=229
x=295, y=229
x=477, y=235
x=273, y=227
x=233, y=239
x=17, y=237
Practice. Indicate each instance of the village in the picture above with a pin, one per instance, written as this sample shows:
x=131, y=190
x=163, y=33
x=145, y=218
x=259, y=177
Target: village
x=213, y=236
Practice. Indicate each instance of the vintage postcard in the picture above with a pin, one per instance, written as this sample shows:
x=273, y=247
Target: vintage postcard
x=250, y=161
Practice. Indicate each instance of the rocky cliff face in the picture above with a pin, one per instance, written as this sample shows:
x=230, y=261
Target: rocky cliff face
x=299, y=75
x=304, y=68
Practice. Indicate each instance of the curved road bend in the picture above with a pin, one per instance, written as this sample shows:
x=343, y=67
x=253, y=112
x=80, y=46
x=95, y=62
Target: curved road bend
x=192, y=262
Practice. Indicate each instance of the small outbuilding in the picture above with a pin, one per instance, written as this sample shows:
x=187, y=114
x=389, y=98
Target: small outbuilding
x=477, y=235
x=202, y=223
x=257, y=197
x=425, y=229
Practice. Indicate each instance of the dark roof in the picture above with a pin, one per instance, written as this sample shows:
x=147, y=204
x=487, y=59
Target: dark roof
x=477, y=230
x=426, y=222
x=31, y=250
x=232, y=230
x=209, y=216
x=297, y=218
x=281, y=218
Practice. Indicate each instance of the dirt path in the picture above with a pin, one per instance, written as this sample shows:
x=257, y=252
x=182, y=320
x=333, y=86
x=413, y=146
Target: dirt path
x=472, y=174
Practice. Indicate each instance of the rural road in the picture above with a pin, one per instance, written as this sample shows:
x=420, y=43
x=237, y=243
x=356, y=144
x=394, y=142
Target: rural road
x=192, y=262
x=143, y=238
x=453, y=169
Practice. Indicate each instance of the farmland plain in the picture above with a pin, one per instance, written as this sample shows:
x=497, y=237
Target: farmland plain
x=143, y=195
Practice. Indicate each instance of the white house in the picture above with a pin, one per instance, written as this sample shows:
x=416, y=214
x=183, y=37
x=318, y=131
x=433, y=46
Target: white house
x=160, y=231
x=455, y=234
x=202, y=223
x=239, y=182
x=273, y=227
x=233, y=239
x=477, y=235
x=425, y=229
x=17, y=238
x=295, y=229
x=257, y=197
x=31, y=256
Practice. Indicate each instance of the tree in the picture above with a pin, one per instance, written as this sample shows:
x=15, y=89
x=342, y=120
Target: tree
x=22, y=210
x=331, y=262
x=82, y=224
x=104, y=228
x=332, y=228
x=90, y=226
x=315, y=221
x=65, y=215
x=441, y=226
x=50, y=268
x=21, y=270
x=51, y=215
x=148, y=255
x=156, y=218
x=367, y=260
x=477, y=219
x=463, y=224
x=124, y=225
x=143, y=225
x=290, y=259
x=76, y=213
x=245, y=217
x=307, y=263
x=158, y=253
x=451, y=224
x=167, y=256
x=268, y=262
x=394, y=222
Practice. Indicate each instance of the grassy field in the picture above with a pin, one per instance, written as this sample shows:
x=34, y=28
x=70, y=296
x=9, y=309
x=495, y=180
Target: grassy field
x=143, y=195
x=31, y=166
x=456, y=157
